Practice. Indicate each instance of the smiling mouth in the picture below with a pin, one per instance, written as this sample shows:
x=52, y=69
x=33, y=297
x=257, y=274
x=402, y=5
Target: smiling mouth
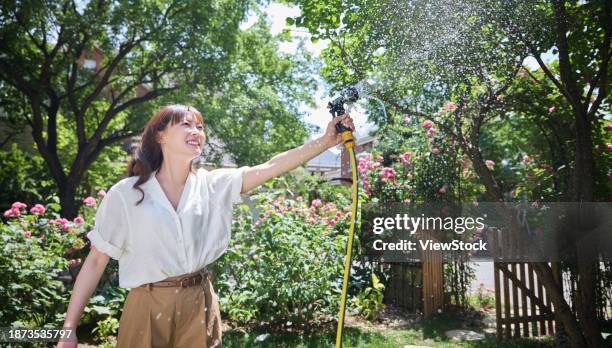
x=193, y=143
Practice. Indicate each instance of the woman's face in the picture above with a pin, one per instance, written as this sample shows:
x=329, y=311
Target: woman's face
x=185, y=138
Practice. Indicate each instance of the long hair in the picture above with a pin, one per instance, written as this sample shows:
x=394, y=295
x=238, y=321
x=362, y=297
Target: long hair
x=149, y=156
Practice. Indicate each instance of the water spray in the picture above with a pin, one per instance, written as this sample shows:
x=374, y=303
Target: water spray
x=348, y=95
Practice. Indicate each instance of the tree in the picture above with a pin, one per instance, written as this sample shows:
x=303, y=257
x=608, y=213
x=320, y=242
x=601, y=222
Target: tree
x=420, y=53
x=256, y=112
x=148, y=49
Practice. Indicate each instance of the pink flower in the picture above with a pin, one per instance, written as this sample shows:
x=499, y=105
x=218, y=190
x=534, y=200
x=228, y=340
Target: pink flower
x=18, y=205
x=435, y=151
x=490, y=164
x=90, y=201
x=431, y=132
x=387, y=173
x=27, y=234
x=443, y=189
x=101, y=193
x=379, y=158
x=62, y=221
x=42, y=237
x=427, y=124
x=450, y=106
x=79, y=220
x=608, y=127
x=526, y=159
x=38, y=209
x=405, y=157
x=535, y=205
x=10, y=213
x=609, y=147
x=406, y=119
x=552, y=109
x=315, y=203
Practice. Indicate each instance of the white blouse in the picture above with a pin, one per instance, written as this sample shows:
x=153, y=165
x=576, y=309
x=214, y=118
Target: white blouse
x=152, y=241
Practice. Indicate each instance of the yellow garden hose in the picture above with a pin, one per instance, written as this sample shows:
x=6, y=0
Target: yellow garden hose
x=349, y=144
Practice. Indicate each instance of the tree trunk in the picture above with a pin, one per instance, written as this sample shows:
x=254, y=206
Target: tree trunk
x=67, y=193
x=586, y=252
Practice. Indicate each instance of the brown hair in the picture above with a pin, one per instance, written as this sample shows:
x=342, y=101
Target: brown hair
x=149, y=156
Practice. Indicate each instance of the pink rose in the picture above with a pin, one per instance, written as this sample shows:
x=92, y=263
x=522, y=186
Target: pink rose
x=405, y=157
x=526, y=159
x=316, y=203
x=450, y=106
x=38, y=209
x=10, y=213
x=443, y=189
x=18, y=205
x=101, y=193
x=552, y=109
x=431, y=132
x=27, y=234
x=435, y=151
x=387, y=173
x=427, y=124
x=90, y=201
x=407, y=119
x=79, y=220
x=490, y=164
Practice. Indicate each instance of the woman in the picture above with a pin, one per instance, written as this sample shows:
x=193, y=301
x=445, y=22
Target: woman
x=165, y=223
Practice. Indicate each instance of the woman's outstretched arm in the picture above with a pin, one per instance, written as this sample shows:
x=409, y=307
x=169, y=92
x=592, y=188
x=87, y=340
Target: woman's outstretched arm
x=291, y=159
x=84, y=286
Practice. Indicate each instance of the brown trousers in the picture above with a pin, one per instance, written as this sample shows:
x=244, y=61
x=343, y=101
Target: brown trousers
x=179, y=317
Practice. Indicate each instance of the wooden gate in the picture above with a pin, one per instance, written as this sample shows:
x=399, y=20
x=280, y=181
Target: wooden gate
x=522, y=305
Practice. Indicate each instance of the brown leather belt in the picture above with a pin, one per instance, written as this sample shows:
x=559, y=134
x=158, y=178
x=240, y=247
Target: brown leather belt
x=183, y=281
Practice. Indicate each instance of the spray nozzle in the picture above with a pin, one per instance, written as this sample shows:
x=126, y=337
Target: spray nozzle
x=336, y=106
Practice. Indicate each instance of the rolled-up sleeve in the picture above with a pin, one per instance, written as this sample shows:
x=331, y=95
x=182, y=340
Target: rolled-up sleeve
x=226, y=183
x=111, y=225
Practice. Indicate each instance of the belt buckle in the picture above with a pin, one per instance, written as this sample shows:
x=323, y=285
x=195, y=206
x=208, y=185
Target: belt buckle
x=183, y=284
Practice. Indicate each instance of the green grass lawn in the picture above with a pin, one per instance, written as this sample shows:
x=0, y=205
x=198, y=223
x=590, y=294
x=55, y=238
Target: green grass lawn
x=426, y=333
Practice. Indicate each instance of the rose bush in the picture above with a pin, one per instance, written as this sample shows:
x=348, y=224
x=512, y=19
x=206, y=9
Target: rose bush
x=283, y=269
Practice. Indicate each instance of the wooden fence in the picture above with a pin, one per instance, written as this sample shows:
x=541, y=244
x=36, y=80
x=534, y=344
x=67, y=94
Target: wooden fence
x=523, y=306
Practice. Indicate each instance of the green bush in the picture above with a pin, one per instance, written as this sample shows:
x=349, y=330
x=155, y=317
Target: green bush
x=369, y=303
x=40, y=255
x=284, y=269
